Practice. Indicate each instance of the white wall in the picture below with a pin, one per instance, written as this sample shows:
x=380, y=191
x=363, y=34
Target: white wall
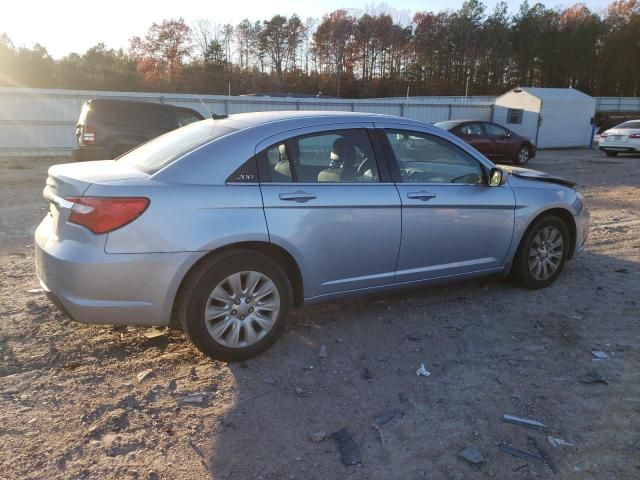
x=530, y=106
x=42, y=122
x=566, y=124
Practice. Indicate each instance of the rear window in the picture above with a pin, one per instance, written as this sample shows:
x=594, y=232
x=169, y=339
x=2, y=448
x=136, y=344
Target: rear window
x=161, y=151
x=629, y=125
x=111, y=114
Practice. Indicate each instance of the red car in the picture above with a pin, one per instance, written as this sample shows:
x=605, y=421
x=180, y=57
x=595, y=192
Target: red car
x=492, y=140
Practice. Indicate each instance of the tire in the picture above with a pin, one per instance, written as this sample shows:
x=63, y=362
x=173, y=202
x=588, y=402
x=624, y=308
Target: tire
x=611, y=154
x=522, y=155
x=248, y=324
x=525, y=266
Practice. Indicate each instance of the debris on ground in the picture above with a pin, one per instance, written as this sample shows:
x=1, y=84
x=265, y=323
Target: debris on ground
x=317, y=436
x=544, y=454
x=323, y=351
x=151, y=333
x=558, y=442
x=599, y=354
x=35, y=290
x=528, y=456
x=144, y=374
x=472, y=455
x=592, y=377
x=194, y=398
x=405, y=398
x=386, y=417
x=349, y=451
x=525, y=422
x=422, y=371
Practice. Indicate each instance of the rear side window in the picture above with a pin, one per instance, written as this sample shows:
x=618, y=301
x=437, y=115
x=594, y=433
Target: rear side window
x=110, y=114
x=495, y=130
x=161, y=151
x=185, y=117
x=472, y=129
x=340, y=156
x=154, y=117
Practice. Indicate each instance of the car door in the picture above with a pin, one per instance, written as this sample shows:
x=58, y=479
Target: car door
x=453, y=223
x=330, y=203
x=502, y=141
x=475, y=135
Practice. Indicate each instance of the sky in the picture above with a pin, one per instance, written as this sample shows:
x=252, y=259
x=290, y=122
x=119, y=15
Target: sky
x=65, y=26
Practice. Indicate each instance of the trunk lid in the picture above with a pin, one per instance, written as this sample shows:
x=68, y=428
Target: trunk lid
x=72, y=180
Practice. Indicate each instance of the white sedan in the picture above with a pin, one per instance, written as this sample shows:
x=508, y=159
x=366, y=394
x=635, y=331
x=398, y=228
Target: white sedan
x=623, y=138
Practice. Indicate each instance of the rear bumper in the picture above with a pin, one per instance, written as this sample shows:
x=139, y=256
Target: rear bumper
x=619, y=147
x=83, y=153
x=91, y=286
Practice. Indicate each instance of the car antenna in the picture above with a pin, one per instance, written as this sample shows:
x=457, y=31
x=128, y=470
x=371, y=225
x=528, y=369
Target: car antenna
x=214, y=116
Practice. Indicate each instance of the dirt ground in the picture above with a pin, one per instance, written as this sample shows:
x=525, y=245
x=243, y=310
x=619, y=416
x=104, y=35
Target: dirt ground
x=72, y=404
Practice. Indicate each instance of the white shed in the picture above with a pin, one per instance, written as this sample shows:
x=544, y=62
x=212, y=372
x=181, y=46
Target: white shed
x=550, y=117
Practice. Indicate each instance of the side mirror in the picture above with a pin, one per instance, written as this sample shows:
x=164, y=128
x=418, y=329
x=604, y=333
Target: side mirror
x=495, y=177
x=508, y=134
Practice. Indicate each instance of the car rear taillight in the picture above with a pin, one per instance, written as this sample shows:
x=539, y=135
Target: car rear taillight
x=634, y=135
x=105, y=214
x=89, y=136
x=604, y=135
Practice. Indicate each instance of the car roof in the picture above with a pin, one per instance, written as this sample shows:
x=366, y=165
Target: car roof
x=118, y=101
x=311, y=117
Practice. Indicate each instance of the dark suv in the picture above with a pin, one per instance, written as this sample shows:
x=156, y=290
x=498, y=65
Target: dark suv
x=109, y=128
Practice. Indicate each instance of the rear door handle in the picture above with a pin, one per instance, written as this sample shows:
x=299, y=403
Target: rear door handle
x=298, y=196
x=421, y=195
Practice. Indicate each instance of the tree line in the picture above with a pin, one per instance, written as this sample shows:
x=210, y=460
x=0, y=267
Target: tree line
x=378, y=53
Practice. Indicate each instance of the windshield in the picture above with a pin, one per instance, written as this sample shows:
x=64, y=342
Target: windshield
x=633, y=124
x=159, y=152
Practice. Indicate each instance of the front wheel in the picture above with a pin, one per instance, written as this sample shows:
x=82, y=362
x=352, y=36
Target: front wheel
x=235, y=305
x=542, y=253
x=522, y=156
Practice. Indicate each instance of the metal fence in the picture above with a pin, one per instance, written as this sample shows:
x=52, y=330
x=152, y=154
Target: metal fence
x=42, y=122
x=617, y=104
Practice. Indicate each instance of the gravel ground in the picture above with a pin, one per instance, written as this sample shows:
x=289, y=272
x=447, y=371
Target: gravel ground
x=80, y=401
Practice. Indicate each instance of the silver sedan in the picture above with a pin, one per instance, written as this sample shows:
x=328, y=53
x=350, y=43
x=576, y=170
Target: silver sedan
x=225, y=225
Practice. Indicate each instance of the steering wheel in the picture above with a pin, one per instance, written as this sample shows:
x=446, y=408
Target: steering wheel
x=363, y=167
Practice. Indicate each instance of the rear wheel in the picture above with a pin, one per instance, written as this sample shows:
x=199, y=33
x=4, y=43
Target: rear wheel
x=542, y=253
x=235, y=305
x=522, y=156
x=611, y=154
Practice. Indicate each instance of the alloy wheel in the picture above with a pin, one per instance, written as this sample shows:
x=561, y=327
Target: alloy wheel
x=545, y=253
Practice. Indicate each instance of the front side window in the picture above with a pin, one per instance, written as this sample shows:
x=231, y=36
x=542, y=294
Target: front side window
x=339, y=156
x=424, y=158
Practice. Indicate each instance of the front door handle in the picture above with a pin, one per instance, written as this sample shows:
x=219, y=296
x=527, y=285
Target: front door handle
x=298, y=196
x=421, y=195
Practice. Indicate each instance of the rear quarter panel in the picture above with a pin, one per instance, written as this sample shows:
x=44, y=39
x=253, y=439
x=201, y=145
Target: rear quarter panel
x=186, y=218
